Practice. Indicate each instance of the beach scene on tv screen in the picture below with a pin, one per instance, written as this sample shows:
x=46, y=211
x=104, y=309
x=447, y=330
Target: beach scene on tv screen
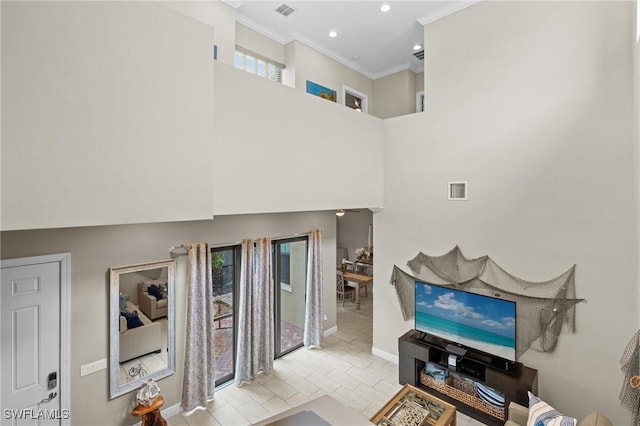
x=475, y=321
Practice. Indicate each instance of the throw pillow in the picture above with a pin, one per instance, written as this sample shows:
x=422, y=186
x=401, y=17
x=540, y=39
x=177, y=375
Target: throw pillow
x=155, y=291
x=490, y=395
x=133, y=320
x=543, y=414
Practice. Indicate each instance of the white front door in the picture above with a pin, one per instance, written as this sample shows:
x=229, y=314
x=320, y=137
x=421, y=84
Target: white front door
x=30, y=352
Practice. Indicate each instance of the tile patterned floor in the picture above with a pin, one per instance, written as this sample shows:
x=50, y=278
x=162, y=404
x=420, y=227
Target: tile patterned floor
x=344, y=368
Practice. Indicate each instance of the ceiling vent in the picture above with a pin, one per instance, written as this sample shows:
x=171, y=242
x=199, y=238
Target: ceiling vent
x=457, y=190
x=285, y=10
x=419, y=55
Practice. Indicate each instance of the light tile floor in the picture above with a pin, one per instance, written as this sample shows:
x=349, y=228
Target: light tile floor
x=344, y=368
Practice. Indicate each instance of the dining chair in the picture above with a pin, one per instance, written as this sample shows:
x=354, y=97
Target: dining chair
x=343, y=290
x=365, y=269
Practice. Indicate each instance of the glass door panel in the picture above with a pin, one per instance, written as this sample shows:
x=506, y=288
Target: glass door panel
x=223, y=270
x=290, y=272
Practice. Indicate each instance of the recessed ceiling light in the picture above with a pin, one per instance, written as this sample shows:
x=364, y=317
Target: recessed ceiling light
x=417, y=46
x=333, y=34
x=385, y=8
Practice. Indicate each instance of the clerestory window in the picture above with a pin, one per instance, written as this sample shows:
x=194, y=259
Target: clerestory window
x=258, y=65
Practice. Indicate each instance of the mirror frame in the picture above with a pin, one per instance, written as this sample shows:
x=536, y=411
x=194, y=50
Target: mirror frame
x=118, y=389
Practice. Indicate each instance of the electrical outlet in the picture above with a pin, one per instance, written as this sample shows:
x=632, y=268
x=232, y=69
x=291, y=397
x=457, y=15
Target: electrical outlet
x=92, y=367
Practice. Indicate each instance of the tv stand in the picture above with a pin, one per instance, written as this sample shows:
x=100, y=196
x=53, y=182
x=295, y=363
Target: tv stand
x=416, y=349
x=455, y=350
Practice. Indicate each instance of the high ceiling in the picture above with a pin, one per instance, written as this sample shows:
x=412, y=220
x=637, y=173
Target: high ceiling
x=370, y=41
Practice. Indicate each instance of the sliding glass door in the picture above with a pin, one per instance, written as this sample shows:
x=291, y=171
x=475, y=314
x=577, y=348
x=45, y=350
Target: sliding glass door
x=289, y=276
x=225, y=263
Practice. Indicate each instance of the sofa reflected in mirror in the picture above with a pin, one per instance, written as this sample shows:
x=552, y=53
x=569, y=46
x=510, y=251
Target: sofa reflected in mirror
x=152, y=298
x=142, y=343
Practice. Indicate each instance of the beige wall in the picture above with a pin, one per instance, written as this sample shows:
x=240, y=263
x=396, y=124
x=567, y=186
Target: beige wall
x=314, y=66
x=531, y=104
x=353, y=230
x=258, y=43
x=419, y=81
x=95, y=249
x=395, y=94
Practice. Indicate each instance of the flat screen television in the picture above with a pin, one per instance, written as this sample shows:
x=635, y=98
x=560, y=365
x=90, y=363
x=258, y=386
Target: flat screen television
x=484, y=323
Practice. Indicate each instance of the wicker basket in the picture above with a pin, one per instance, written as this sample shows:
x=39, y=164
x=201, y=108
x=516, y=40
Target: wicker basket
x=462, y=391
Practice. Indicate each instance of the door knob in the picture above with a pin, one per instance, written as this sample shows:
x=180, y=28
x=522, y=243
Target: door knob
x=52, y=396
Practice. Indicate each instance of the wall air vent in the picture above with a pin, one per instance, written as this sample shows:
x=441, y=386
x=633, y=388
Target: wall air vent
x=285, y=10
x=419, y=54
x=457, y=190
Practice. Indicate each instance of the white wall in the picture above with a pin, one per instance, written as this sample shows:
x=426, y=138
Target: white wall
x=531, y=103
x=106, y=139
x=636, y=137
x=352, y=231
x=216, y=14
x=95, y=249
x=279, y=149
x=91, y=129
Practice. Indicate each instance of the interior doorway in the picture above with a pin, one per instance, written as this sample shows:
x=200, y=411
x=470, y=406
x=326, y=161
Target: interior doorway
x=354, y=252
x=354, y=234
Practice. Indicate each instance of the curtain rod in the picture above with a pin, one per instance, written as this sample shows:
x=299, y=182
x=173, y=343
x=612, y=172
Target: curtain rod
x=235, y=243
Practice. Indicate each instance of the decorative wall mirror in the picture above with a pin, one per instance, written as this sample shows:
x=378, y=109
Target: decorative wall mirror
x=142, y=324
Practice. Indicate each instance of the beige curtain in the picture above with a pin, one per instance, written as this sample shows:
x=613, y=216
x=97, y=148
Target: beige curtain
x=198, y=382
x=313, y=317
x=255, y=347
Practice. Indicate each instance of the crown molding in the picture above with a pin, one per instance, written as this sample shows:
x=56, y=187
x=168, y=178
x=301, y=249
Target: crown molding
x=241, y=19
x=234, y=3
x=286, y=39
x=333, y=55
x=260, y=28
x=455, y=7
x=417, y=68
x=392, y=70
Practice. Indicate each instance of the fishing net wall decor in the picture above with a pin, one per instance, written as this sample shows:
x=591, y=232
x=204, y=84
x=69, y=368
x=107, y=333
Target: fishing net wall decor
x=543, y=309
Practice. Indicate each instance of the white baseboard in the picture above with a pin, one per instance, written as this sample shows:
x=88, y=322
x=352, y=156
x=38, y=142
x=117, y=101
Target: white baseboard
x=171, y=411
x=330, y=331
x=385, y=355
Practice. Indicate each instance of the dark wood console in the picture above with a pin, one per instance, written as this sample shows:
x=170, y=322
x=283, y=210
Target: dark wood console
x=415, y=353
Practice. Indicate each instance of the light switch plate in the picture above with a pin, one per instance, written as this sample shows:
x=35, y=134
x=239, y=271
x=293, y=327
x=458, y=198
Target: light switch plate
x=92, y=367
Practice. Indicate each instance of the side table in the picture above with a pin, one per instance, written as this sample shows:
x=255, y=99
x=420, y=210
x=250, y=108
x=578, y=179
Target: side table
x=151, y=414
x=440, y=413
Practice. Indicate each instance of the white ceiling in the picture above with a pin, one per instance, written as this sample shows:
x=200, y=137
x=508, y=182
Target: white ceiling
x=369, y=41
